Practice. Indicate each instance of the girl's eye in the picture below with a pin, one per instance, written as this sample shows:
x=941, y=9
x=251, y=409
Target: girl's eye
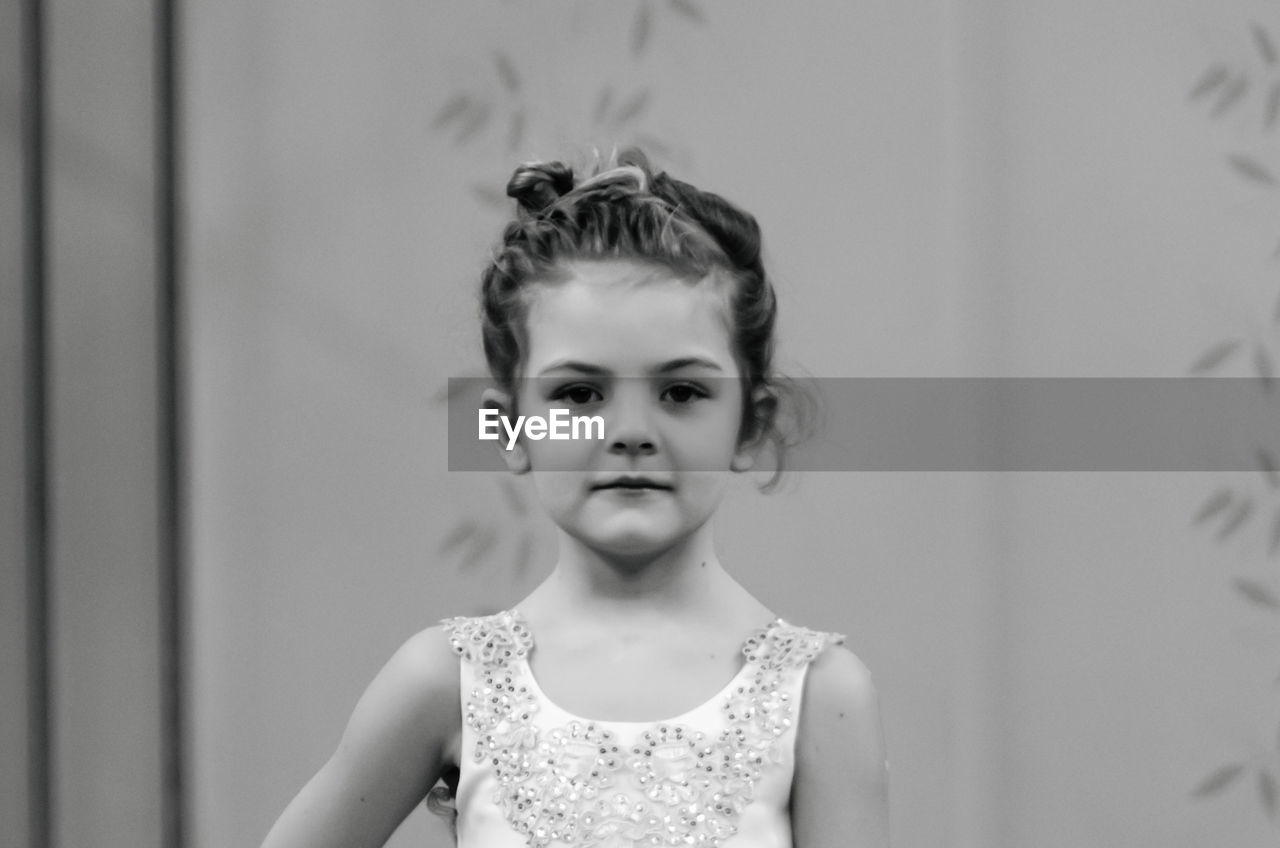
x=683, y=393
x=579, y=395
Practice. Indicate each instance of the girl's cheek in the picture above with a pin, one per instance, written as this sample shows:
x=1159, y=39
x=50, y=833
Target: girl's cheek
x=569, y=454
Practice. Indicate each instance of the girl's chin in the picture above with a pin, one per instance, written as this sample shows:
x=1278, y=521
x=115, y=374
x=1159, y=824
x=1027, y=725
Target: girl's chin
x=632, y=544
x=631, y=541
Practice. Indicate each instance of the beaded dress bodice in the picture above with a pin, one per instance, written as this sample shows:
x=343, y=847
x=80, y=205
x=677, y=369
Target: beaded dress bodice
x=535, y=775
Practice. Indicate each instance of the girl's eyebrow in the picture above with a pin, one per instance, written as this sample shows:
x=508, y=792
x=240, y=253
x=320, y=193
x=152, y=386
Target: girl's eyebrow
x=664, y=368
x=571, y=365
x=687, y=362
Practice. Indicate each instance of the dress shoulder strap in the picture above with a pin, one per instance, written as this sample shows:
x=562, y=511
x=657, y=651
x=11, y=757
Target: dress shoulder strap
x=489, y=640
x=785, y=645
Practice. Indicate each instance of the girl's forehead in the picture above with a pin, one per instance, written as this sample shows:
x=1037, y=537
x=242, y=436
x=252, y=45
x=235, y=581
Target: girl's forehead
x=626, y=316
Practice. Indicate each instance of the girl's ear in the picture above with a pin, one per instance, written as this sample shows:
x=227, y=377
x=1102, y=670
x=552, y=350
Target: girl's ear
x=516, y=457
x=764, y=406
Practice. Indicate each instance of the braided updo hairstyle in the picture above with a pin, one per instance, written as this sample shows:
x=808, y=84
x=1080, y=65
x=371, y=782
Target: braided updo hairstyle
x=627, y=211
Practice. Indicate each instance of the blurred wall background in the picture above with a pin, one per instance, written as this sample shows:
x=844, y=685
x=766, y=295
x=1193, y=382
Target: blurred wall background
x=946, y=189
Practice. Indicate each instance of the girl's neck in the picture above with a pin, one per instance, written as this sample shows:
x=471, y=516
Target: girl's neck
x=686, y=578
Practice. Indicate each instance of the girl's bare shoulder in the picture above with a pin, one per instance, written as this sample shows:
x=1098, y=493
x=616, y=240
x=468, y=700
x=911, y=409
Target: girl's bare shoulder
x=838, y=680
x=418, y=687
x=412, y=703
x=427, y=662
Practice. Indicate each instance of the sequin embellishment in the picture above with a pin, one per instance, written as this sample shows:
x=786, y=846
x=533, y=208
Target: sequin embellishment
x=577, y=785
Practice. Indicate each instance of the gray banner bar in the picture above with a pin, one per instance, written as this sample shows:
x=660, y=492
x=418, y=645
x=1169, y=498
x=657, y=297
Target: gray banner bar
x=990, y=424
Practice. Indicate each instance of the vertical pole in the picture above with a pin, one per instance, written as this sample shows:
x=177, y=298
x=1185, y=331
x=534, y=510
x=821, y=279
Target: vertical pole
x=35, y=425
x=169, y=373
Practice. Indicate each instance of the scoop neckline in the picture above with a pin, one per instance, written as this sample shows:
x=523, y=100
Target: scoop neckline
x=537, y=690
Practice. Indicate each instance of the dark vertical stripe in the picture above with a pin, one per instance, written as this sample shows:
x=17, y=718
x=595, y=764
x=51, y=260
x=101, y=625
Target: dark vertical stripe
x=35, y=425
x=169, y=362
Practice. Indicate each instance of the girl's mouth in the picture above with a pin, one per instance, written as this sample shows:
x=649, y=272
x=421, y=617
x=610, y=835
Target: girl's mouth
x=632, y=483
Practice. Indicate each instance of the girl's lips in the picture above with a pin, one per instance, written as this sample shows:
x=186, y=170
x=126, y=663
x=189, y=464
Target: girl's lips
x=632, y=492
x=633, y=483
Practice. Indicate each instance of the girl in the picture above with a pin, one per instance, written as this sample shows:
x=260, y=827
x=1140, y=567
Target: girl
x=639, y=696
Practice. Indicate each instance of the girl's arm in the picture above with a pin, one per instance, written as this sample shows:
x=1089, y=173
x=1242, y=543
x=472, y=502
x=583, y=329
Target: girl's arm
x=390, y=755
x=840, y=791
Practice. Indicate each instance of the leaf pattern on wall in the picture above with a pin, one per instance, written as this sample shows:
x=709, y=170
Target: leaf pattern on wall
x=1218, y=780
x=496, y=110
x=1267, y=791
x=1234, y=91
x=1257, y=593
x=1263, y=42
x=641, y=25
x=1251, y=169
x=1230, y=95
x=1215, y=356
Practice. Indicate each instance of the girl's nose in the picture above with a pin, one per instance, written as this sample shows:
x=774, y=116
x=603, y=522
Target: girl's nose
x=631, y=431
x=632, y=446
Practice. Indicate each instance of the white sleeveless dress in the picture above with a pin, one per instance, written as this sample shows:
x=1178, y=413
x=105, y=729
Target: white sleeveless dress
x=534, y=775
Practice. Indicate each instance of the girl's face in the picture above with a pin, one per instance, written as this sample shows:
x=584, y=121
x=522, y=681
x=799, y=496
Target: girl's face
x=651, y=355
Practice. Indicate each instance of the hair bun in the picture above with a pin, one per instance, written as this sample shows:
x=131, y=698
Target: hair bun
x=536, y=185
